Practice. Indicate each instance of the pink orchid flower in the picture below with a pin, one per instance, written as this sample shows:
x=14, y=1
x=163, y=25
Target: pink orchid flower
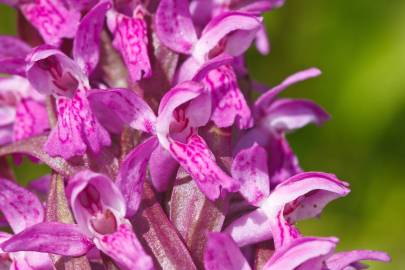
x=99, y=209
x=301, y=196
x=175, y=136
x=304, y=253
x=264, y=148
x=229, y=33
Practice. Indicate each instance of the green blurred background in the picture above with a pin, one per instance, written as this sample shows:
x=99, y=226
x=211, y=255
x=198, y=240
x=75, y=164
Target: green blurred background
x=360, y=47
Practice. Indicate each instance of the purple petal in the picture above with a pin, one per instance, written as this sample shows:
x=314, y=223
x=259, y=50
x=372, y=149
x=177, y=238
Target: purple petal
x=265, y=100
x=14, y=66
x=132, y=174
x=19, y=261
x=309, y=206
x=81, y=5
x=250, y=228
x=187, y=70
x=40, y=185
x=14, y=93
x=31, y=119
x=202, y=11
x=299, y=252
x=276, y=3
x=177, y=96
x=259, y=87
x=9, y=2
x=286, y=115
x=13, y=88
x=100, y=186
x=221, y=253
x=124, y=248
x=195, y=157
x=295, y=192
x=240, y=68
x=238, y=28
x=198, y=111
x=52, y=19
x=20, y=207
x=52, y=72
x=283, y=232
x=7, y=115
x=229, y=104
x=210, y=65
x=4, y=237
x=310, y=202
x=341, y=260
x=50, y=237
x=259, y=6
x=12, y=55
x=116, y=108
x=13, y=47
x=255, y=226
x=6, y=134
x=174, y=26
x=191, y=69
x=77, y=129
x=262, y=41
x=283, y=163
x=162, y=168
x=86, y=43
x=131, y=39
x=249, y=167
x=31, y=261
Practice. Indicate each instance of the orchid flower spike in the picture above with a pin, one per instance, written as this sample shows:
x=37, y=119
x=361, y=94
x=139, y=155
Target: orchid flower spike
x=145, y=113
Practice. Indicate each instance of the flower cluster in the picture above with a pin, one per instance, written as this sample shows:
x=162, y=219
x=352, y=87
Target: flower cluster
x=160, y=156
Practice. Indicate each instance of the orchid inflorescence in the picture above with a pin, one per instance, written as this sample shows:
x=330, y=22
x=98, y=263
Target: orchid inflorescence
x=160, y=156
